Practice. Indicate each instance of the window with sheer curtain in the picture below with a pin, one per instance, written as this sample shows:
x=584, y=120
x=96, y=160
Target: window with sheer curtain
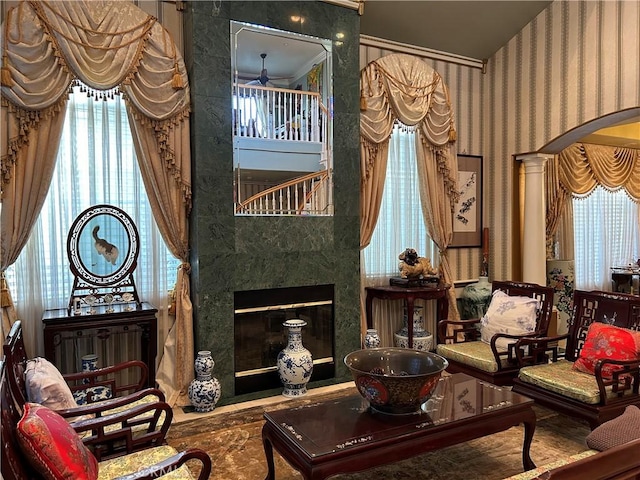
x=606, y=235
x=400, y=225
x=96, y=164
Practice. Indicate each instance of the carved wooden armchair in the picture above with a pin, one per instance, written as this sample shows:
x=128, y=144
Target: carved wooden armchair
x=148, y=428
x=37, y=439
x=472, y=347
x=606, y=376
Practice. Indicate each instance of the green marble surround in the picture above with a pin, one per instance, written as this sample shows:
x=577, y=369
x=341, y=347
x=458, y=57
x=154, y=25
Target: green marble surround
x=230, y=253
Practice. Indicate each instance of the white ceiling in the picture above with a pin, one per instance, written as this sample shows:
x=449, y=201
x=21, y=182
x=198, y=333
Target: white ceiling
x=475, y=29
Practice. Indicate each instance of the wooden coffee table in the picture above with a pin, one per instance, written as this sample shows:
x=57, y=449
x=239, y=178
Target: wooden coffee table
x=346, y=435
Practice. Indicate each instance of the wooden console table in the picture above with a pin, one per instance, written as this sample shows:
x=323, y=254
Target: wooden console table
x=60, y=327
x=410, y=294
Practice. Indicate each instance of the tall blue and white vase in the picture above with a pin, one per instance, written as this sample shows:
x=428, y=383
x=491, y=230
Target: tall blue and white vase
x=371, y=338
x=561, y=276
x=204, y=390
x=295, y=364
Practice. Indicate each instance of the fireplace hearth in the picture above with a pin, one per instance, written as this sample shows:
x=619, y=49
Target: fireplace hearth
x=259, y=334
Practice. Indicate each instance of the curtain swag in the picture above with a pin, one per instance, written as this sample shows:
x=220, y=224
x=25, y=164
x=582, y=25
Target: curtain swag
x=584, y=166
x=105, y=45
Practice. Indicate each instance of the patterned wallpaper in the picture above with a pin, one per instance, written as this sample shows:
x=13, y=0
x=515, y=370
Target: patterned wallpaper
x=575, y=62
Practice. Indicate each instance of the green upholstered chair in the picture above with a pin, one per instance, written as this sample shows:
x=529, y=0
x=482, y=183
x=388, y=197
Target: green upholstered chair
x=594, y=396
x=493, y=360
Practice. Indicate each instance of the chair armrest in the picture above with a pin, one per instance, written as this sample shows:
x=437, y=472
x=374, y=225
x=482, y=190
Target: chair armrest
x=172, y=463
x=106, y=377
x=97, y=408
x=536, y=350
x=113, y=434
x=624, y=381
x=450, y=330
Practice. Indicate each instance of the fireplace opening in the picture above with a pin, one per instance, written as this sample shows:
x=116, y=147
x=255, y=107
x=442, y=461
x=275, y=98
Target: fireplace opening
x=259, y=335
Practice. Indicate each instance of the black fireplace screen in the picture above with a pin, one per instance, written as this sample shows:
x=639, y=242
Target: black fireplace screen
x=260, y=336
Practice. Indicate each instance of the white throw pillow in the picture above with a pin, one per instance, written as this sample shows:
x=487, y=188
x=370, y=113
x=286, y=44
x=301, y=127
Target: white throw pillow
x=46, y=386
x=514, y=315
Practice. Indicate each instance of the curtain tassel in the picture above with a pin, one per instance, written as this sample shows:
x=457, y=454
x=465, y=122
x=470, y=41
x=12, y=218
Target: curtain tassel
x=176, y=82
x=453, y=135
x=363, y=103
x=6, y=79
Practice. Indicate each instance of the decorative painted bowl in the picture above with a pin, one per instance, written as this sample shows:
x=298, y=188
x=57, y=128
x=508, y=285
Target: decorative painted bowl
x=395, y=380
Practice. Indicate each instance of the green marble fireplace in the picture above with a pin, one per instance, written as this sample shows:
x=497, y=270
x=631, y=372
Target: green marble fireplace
x=238, y=253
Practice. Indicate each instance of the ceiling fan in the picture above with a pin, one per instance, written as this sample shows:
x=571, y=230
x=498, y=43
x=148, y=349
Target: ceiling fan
x=263, y=78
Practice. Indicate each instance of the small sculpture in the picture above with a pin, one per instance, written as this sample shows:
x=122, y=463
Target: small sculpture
x=413, y=266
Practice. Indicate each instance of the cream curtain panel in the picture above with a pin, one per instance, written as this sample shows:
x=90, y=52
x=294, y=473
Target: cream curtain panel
x=113, y=47
x=402, y=88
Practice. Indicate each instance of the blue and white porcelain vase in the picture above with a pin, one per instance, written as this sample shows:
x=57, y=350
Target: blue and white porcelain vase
x=295, y=364
x=371, y=338
x=89, y=363
x=204, y=390
x=422, y=339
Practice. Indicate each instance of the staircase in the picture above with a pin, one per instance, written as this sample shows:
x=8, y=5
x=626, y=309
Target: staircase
x=306, y=195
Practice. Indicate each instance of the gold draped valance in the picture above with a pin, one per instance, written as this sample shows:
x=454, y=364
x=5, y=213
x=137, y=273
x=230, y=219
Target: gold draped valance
x=403, y=88
x=105, y=45
x=584, y=166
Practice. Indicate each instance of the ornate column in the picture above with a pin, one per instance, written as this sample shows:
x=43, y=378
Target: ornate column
x=534, y=246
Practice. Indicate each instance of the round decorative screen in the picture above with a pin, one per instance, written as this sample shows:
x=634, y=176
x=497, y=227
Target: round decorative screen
x=103, y=246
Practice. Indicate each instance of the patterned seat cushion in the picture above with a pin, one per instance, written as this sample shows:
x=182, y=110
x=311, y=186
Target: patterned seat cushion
x=135, y=462
x=137, y=428
x=475, y=354
x=531, y=474
x=562, y=378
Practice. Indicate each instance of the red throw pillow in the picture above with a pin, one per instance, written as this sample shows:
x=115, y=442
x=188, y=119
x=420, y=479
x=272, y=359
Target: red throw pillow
x=610, y=342
x=53, y=446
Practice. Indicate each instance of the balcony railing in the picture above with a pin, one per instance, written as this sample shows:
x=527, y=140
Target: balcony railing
x=306, y=195
x=278, y=113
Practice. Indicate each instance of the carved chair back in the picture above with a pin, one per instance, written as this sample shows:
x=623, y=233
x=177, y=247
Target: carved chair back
x=619, y=309
x=15, y=357
x=14, y=466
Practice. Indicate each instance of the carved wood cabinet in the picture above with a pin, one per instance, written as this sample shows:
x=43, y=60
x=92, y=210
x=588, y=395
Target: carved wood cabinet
x=68, y=337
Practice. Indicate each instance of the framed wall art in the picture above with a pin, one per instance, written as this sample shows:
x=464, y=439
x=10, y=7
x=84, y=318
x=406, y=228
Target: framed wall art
x=467, y=216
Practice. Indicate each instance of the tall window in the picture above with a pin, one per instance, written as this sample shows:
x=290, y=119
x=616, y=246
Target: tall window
x=400, y=223
x=96, y=164
x=605, y=235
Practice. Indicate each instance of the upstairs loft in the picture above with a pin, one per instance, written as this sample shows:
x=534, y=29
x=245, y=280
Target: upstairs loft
x=282, y=161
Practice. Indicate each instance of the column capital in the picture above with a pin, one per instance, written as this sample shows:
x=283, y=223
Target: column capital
x=533, y=160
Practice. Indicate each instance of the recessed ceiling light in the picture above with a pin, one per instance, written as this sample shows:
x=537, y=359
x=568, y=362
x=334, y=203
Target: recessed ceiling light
x=339, y=35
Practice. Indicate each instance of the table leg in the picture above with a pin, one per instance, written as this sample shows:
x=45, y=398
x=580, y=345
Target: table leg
x=268, y=453
x=369, y=309
x=529, y=428
x=410, y=300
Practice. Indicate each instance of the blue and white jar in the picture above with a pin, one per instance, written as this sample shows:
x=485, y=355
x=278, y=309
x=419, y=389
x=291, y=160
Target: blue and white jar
x=89, y=363
x=371, y=338
x=204, y=391
x=295, y=364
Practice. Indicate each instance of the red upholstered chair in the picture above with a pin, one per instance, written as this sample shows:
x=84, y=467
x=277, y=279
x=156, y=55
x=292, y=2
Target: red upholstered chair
x=147, y=429
x=604, y=385
x=36, y=439
x=470, y=346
